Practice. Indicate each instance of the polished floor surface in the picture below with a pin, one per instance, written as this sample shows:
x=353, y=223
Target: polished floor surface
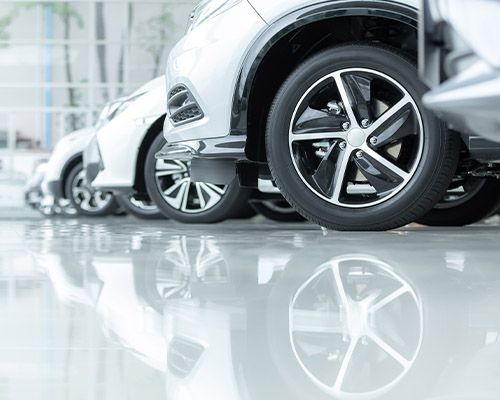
x=122, y=309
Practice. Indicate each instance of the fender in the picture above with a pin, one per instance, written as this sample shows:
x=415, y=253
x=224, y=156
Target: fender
x=296, y=19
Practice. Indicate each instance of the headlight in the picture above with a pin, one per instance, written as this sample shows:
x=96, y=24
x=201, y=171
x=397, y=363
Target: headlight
x=115, y=108
x=208, y=9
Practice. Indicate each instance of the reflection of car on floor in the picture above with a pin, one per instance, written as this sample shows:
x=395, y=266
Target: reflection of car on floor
x=121, y=158
x=65, y=180
x=353, y=326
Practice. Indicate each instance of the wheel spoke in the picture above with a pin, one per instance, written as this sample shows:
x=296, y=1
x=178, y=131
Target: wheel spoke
x=318, y=121
x=381, y=173
x=184, y=193
x=345, y=99
x=340, y=287
x=317, y=136
x=389, y=299
x=179, y=188
x=331, y=170
x=201, y=197
x=388, y=117
x=360, y=89
x=211, y=191
x=314, y=321
x=401, y=125
x=345, y=364
x=388, y=349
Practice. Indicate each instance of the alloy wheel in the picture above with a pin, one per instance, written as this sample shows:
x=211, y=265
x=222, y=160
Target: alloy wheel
x=356, y=138
x=87, y=199
x=173, y=180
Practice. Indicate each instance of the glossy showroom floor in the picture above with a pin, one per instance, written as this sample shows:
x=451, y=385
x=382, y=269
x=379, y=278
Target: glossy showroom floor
x=121, y=309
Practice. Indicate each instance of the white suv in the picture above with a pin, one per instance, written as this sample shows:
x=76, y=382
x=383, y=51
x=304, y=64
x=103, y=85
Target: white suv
x=322, y=96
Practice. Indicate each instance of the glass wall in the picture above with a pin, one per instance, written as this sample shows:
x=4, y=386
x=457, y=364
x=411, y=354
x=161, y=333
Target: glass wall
x=62, y=60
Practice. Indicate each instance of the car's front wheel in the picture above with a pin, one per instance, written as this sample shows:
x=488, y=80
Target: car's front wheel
x=350, y=145
x=85, y=200
x=169, y=185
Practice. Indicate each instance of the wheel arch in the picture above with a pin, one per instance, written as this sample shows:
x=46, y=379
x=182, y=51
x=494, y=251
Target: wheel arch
x=151, y=134
x=300, y=34
x=70, y=164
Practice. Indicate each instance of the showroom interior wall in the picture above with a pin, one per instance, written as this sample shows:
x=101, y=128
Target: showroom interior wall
x=61, y=61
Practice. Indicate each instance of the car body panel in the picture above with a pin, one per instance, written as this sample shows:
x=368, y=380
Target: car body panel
x=67, y=150
x=271, y=10
x=210, y=55
x=193, y=62
x=120, y=139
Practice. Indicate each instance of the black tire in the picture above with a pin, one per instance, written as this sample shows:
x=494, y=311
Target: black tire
x=277, y=210
x=232, y=203
x=433, y=172
x=482, y=203
x=108, y=207
x=146, y=212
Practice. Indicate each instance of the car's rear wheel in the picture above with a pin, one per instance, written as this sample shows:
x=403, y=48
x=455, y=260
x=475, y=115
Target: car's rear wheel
x=85, y=200
x=350, y=145
x=140, y=206
x=466, y=202
x=277, y=210
x=170, y=187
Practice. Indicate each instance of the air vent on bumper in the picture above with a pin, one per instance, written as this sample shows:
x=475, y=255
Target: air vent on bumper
x=182, y=106
x=183, y=355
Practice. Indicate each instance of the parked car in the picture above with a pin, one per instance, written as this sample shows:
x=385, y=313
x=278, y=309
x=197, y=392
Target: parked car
x=33, y=194
x=460, y=62
x=121, y=158
x=324, y=96
x=65, y=178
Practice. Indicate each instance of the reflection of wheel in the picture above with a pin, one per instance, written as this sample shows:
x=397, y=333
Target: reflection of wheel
x=139, y=206
x=467, y=201
x=87, y=202
x=277, y=210
x=359, y=316
x=169, y=185
x=354, y=327
x=349, y=146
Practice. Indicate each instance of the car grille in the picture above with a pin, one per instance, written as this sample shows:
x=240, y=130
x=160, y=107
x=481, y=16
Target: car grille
x=182, y=106
x=183, y=355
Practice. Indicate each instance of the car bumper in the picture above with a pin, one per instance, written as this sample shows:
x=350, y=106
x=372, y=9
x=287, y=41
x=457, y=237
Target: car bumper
x=55, y=189
x=463, y=76
x=206, y=63
x=92, y=160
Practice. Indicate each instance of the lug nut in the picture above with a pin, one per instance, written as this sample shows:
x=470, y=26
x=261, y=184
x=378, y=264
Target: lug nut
x=346, y=126
x=365, y=123
x=343, y=145
x=359, y=154
x=373, y=141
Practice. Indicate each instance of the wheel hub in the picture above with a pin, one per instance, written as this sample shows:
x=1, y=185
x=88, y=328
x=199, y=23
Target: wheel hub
x=356, y=137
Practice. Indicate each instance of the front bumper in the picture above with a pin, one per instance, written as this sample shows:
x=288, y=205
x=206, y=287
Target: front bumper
x=206, y=64
x=55, y=189
x=92, y=160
